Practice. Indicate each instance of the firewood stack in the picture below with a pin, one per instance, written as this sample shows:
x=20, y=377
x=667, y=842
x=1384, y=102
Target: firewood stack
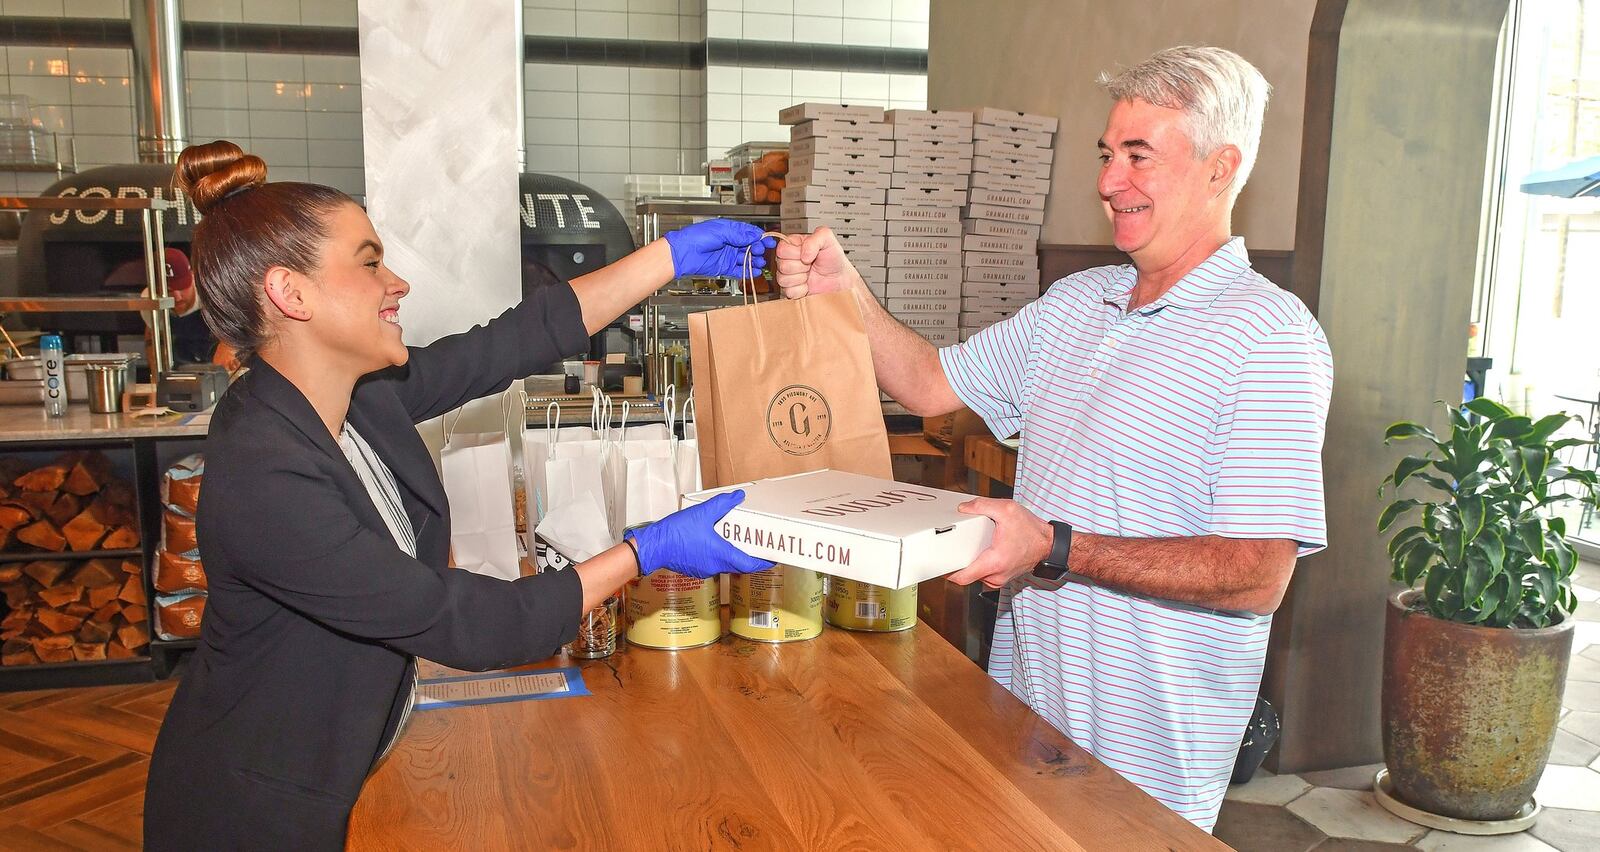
x=61, y=609
x=180, y=579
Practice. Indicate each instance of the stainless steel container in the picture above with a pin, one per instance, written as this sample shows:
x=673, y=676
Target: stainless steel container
x=106, y=383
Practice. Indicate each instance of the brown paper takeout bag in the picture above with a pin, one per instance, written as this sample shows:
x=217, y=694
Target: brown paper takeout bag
x=786, y=387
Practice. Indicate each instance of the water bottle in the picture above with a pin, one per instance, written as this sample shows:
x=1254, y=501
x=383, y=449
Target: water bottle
x=55, y=375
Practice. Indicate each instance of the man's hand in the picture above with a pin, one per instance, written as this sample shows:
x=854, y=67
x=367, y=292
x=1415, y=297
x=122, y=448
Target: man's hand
x=812, y=265
x=1021, y=541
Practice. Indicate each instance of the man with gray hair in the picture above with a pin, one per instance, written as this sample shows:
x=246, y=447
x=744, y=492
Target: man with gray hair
x=1172, y=414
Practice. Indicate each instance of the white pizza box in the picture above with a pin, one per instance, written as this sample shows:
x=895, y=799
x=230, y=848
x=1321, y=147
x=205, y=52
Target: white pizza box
x=1000, y=260
x=944, y=289
x=838, y=161
x=929, y=319
x=942, y=165
x=1008, y=118
x=899, y=228
x=967, y=334
x=1000, y=304
x=910, y=148
x=911, y=213
x=828, y=193
x=931, y=133
x=939, y=244
x=1018, y=215
x=874, y=179
x=1003, y=198
x=1007, y=183
x=1011, y=151
x=929, y=117
x=1014, y=135
x=830, y=210
x=1004, y=166
x=855, y=241
x=840, y=127
x=874, y=287
x=999, y=290
x=854, y=225
x=982, y=319
x=939, y=336
x=833, y=145
x=991, y=228
x=865, y=256
x=1011, y=245
x=1001, y=275
x=931, y=276
x=924, y=260
x=902, y=304
x=844, y=112
x=928, y=197
x=928, y=180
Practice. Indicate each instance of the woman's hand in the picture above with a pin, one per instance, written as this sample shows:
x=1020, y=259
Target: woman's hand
x=686, y=542
x=717, y=247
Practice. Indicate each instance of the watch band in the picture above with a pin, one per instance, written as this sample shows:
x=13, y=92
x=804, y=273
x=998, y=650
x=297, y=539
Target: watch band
x=1054, y=566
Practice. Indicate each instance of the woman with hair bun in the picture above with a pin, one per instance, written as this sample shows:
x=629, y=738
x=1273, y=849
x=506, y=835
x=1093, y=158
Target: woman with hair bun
x=324, y=528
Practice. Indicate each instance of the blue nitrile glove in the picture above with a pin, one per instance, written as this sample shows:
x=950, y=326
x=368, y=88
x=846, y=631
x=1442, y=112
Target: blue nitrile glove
x=717, y=247
x=686, y=542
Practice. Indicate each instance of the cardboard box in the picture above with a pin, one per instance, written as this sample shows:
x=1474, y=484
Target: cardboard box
x=838, y=161
x=928, y=197
x=930, y=133
x=911, y=319
x=1012, y=290
x=929, y=117
x=1012, y=245
x=967, y=334
x=991, y=228
x=1002, y=198
x=1011, y=151
x=854, y=225
x=1002, y=275
x=875, y=179
x=999, y=304
x=939, y=336
x=925, y=180
x=909, y=148
x=874, y=287
x=1016, y=215
x=840, y=127
x=898, y=305
x=830, y=210
x=857, y=243
x=996, y=260
x=950, y=289
x=911, y=213
x=1013, y=135
x=828, y=193
x=924, y=260
x=864, y=256
x=843, y=112
x=983, y=319
x=1004, y=166
x=948, y=278
x=930, y=244
x=833, y=145
x=901, y=228
x=1006, y=183
x=1008, y=118
x=931, y=165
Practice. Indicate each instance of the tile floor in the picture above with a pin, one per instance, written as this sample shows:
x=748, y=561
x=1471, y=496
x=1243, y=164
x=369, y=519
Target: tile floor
x=1334, y=810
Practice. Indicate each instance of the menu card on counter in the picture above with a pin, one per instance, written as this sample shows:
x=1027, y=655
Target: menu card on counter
x=439, y=693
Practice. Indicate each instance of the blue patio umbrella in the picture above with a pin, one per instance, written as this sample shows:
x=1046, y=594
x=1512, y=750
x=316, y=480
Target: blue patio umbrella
x=1579, y=179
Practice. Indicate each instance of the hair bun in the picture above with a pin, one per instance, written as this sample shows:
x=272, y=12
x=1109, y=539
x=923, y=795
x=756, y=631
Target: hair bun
x=211, y=172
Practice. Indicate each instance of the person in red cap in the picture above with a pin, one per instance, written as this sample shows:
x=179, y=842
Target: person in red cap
x=192, y=340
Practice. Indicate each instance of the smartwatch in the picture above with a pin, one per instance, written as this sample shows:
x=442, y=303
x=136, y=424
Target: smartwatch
x=1054, y=566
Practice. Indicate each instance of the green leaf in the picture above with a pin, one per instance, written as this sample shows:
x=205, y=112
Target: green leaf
x=1435, y=481
x=1547, y=583
x=1452, y=546
x=1513, y=427
x=1562, y=558
x=1530, y=531
x=1509, y=606
x=1479, y=573
x=1493, y=597
x=1545, y=427
x=1415, y=560
x=1406, y=429
x=1488, y=409
x=1404, y=536
x=1493, y=548
x=1434, y=585
x=1534, y=460
x=1471, y=509
x=1395, y=510
x=1558, y=526
x=1406, y=467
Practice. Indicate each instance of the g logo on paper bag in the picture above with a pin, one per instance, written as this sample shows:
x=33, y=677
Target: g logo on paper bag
x=798, y=420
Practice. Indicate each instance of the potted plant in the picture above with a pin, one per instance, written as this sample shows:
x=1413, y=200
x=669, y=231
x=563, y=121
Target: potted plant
x=1477, y=643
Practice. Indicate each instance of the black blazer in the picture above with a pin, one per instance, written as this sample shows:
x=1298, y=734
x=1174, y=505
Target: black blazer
x=306, y=654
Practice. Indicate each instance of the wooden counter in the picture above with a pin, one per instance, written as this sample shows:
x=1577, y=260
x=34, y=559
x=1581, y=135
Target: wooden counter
x=30, y=423
x=849, y=741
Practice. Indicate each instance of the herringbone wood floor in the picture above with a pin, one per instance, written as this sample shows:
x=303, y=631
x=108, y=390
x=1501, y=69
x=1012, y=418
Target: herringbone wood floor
x=72, y=765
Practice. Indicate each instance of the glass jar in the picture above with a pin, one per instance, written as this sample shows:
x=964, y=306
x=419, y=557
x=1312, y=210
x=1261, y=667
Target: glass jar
x=598, y=630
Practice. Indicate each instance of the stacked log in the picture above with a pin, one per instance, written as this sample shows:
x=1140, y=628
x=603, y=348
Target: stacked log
x=180, y=578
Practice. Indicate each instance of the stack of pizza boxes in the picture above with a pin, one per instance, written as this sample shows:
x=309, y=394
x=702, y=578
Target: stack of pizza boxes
x=839, y=177
x=927, y=188
x=1011, y=161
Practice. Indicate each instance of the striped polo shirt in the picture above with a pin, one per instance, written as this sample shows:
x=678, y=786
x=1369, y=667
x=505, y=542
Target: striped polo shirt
x=1201, y=413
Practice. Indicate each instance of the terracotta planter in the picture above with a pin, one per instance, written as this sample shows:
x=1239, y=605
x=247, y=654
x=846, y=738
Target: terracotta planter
x=1469, y=713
